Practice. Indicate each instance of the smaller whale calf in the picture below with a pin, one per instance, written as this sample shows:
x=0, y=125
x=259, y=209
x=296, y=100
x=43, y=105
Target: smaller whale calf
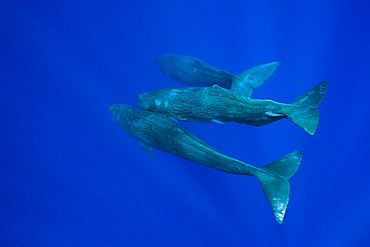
x=195, y=72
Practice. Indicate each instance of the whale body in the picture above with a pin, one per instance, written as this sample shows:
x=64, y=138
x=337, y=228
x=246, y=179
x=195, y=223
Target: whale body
x=194, y=71
x=156, y=130
x=214, y=104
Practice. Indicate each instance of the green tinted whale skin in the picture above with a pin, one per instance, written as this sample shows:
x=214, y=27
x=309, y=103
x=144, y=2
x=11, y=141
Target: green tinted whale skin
x=194, y=71
x=214, y=104
x=156, y=130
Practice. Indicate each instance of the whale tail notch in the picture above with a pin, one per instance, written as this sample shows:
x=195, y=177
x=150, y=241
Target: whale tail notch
x=274, y=181
x=303, y=110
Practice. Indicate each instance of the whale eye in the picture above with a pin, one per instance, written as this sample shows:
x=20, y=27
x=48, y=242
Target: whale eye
x=117, y=109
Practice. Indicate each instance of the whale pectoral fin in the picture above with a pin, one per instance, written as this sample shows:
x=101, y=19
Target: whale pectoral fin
x=218, y=121
x=147, y=148
x=271, y=114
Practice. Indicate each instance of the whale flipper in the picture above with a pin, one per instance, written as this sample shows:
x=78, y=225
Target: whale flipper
x=274, y=182
x=147, y=149
x=303, y=110
x=244, y=82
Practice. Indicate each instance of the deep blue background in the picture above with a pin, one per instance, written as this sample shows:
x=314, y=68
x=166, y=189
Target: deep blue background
x=70, y=176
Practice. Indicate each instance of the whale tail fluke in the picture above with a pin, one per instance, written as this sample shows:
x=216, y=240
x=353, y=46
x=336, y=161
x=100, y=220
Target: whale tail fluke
x=274, y=180
x=303, y=111
x=244, y=82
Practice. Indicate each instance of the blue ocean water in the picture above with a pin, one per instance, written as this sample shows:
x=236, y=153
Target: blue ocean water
x=70, y=176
